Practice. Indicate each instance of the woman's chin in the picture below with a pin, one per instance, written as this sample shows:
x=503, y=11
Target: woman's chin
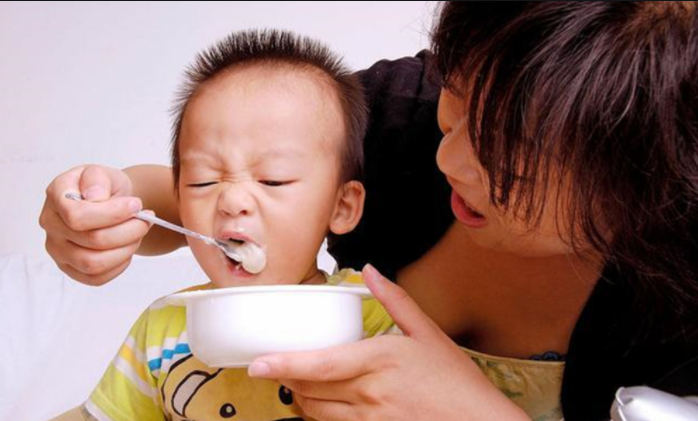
x=523, y=245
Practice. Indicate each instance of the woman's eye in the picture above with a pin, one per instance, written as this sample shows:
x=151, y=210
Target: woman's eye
x=273, y=183
x=208, y=183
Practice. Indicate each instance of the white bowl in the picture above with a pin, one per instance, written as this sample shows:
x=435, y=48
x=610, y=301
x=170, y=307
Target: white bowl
x=230, y=327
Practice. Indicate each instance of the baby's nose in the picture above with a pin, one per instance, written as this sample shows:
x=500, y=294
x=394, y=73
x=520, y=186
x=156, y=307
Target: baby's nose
x=237, y=199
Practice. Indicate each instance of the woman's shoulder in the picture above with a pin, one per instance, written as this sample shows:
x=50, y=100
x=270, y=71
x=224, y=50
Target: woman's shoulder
x=403, y=97
x=413, y=77
x=407, y=198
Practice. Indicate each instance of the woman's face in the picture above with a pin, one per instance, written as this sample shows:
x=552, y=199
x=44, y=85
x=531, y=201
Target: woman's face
x=489, y=226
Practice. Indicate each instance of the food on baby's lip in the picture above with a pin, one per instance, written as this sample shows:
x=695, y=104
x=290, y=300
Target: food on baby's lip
x=252, y=258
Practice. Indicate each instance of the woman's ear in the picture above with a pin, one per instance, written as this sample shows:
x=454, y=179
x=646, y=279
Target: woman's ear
x=348, y=208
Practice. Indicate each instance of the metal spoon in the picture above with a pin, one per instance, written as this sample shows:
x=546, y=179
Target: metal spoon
x=226, y=247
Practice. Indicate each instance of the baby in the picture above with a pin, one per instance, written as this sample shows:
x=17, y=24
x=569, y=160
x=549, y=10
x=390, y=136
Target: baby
x=267, y=149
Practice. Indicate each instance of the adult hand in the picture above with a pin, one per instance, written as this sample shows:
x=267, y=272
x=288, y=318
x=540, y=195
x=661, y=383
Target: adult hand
x=93, y=240
x=422, y=375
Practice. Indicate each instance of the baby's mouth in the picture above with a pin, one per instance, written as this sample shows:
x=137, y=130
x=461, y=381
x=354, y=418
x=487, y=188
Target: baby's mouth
x=235, y=243
x=252, y=258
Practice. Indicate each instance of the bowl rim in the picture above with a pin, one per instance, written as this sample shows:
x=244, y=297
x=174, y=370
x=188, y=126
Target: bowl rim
x=182, y=298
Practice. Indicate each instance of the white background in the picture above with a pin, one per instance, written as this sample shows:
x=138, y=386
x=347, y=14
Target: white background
x=92, y=83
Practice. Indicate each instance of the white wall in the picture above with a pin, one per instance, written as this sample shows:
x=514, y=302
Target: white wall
x=92, y=83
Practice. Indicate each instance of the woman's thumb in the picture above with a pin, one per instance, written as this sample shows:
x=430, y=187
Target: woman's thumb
x=401, y=307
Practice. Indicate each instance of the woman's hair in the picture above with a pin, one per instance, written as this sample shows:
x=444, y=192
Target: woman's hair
x=277, y=48
x=599, y=101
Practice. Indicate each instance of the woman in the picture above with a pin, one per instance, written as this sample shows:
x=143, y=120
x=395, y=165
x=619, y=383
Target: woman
x=570, y=150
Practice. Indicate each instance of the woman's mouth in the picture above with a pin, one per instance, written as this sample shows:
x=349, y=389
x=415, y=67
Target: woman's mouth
x=465, y=214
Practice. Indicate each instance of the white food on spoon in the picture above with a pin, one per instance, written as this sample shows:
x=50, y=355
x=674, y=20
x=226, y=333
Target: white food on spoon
x=251, y=256
x=254, y=260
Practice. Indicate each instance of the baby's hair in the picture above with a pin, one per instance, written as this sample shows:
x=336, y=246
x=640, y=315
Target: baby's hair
x=274, y=48
x=600, y=95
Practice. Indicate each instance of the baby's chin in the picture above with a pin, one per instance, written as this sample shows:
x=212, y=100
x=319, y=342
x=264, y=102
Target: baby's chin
x=234, y=275
x=239, y=281
x=240, y=278
x=235, y=283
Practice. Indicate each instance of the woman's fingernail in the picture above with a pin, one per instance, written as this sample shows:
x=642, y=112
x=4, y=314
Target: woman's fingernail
x=258, y=369
x=93, y=193
x=134, y=205
x=371, y=273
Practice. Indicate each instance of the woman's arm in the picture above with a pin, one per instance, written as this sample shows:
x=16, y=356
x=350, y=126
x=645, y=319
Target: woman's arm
x=153, y=184
x=422, y=375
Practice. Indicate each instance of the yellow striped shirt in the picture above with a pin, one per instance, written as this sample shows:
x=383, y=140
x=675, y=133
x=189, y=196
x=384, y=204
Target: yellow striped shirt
x=154, y=375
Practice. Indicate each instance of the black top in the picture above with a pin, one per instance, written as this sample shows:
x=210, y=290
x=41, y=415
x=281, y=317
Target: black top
x=408, y=209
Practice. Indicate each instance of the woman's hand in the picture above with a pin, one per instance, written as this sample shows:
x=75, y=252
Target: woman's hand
x=420, y=376
x=92, y=241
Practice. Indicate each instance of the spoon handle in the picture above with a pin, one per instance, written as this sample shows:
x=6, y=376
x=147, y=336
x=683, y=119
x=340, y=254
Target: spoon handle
x=169, y=225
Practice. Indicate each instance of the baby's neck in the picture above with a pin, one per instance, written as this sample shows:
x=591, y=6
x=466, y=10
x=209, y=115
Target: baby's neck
x=314, y=277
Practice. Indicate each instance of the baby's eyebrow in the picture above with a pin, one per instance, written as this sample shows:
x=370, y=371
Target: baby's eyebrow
x=198, y=156
x=281, y=152
x=275, y=154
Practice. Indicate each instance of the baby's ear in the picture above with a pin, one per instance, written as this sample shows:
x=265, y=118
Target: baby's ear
x=348, y=208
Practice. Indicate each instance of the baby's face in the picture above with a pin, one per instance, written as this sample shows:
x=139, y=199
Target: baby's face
x=259, y=155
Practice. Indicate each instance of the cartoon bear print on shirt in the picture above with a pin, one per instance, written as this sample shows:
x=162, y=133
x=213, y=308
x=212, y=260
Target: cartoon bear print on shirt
x=192, y=391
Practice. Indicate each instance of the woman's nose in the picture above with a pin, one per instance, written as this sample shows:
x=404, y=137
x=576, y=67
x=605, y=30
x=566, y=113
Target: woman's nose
x=456, y=158
x=237, y=199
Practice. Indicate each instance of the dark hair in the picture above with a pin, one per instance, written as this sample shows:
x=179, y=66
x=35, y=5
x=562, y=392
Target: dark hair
x=604, y=94
x=271, y=48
